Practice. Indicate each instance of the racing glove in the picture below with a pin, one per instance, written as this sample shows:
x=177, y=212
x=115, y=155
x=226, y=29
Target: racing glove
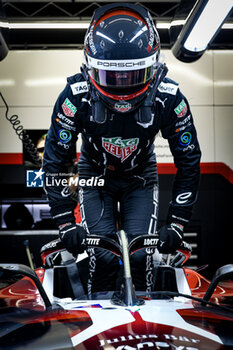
x=170, y=238
x=74, y=237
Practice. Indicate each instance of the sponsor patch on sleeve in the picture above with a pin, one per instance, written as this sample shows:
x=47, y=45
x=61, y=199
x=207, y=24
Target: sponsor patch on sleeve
x=181, y=109
x=79, y=88
x=64, y=135
x=68, y=108
x=184, y=198
x=169, y=88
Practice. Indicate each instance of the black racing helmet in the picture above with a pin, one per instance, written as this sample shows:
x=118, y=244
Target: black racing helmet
x=122, y=49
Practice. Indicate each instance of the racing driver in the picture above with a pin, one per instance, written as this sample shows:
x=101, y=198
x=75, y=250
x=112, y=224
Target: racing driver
x=118, y=103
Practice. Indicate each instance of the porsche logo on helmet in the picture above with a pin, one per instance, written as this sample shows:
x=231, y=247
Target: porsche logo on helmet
x=121, y=64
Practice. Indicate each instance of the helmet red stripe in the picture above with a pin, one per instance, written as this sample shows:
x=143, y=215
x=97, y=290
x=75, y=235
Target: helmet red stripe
x=120, y=97
x=119, y=12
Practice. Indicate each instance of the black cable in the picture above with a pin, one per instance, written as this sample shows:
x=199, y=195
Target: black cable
x=22, y=134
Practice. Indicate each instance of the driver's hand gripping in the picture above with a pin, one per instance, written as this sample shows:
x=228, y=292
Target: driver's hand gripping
x=74, y=237
x=170, y=238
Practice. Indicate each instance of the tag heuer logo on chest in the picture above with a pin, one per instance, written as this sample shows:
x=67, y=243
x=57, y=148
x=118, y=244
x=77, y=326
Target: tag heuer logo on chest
x=123, y=106
x=68, y=108
x=120, y=148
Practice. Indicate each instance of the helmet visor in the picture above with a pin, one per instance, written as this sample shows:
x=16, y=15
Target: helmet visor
x=122, y=79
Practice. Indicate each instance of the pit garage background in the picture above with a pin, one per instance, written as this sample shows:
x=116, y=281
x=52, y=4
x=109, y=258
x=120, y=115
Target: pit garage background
x=31, y=77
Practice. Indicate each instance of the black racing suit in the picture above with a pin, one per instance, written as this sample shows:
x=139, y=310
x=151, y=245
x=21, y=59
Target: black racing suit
x=119, y=148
